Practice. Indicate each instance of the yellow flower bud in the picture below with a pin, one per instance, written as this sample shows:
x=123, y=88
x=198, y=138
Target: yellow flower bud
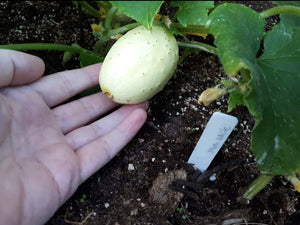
x=210, y=95
x=96, y=27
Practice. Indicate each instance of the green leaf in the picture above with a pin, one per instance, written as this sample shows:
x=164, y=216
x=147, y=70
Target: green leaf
x=87, y=59
x=274, y=94
x=90, y=91
x=278, y=150
x=192, y=12
x=67, y=57
x=237, y=30
x=141, y=11
x=236, y=97
x=280, y=59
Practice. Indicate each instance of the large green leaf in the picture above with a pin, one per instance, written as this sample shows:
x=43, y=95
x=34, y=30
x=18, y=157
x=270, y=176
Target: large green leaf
x=141, y=11
x=278, y=151
x=280, y=101
x=275, y=80
x=192, y=12
x=237, y=30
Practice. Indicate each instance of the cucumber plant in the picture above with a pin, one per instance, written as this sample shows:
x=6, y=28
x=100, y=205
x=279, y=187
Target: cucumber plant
x=268, y=84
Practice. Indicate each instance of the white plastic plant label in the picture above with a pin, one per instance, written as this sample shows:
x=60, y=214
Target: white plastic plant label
x=217, y=130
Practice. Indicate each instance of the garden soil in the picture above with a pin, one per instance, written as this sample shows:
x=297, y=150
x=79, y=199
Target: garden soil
x=149, y=181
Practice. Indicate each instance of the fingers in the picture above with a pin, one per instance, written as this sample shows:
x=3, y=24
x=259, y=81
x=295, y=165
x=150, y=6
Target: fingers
x=18, y=68
x=78, y=113
x=96, y=154
x=59, y=87
x=87, y=134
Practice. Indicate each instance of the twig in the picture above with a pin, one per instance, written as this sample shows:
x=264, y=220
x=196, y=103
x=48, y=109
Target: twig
x=82, y=222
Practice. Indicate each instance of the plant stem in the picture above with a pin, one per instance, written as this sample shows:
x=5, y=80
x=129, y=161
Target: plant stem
x=257, y=185
x=114, y=32
x=46, y=46
x=90, y=8
x=100, y=43
x=285, y=9
x=191, y=28
x=174, y=17
x=198, y=45
x=123, y=29
x=108, y=19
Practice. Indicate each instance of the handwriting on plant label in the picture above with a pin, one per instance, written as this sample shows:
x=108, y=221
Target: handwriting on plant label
x=222, y=132
x=213, y=137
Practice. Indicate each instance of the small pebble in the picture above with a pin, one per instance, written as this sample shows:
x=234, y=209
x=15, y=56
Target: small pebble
x=213, y=177
x=134, y=212
x=130, y=167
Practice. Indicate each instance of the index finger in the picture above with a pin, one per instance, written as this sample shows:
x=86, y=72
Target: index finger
x=96, y=154
x=18, y=68
x=61, y=86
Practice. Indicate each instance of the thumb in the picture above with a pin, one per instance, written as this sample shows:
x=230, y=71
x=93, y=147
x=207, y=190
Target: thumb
x=18, y=68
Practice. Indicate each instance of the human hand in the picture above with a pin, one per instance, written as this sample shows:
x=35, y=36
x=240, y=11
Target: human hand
x=47, y=150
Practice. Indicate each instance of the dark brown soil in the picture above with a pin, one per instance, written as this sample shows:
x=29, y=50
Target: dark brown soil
x=116, y=195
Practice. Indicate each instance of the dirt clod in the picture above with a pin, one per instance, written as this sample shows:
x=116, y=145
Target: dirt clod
x=161, y=193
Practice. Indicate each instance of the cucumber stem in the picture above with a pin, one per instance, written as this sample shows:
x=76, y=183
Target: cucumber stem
x=285, y=9
x=100, y=43
x=191, y=28
x=113, y=32
x=198, y=45
x=46, y=46
x=96, y=13
x=257, y=185
x=109, y=16
x=123, y=29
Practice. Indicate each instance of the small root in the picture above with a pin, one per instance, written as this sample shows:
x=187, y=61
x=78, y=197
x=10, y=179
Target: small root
x=80, y=223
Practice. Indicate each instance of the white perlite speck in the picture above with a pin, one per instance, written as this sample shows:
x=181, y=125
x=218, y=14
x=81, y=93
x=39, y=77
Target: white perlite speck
x=130, y=166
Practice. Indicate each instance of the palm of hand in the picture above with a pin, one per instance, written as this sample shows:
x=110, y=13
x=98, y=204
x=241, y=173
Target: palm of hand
x=37, y=153
x=46, y=150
